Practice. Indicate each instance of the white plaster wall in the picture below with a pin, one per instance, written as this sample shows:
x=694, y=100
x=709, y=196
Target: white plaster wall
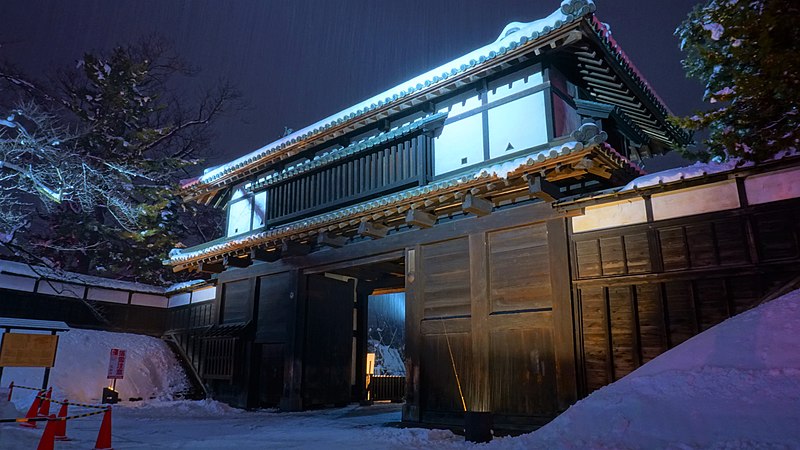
x=239, y=217
x=697, y=200
x=107, y=295
x=157, y=301
x=180, y=299
x=521, y=123
x=60, y=289
x=205, y=294
x=17, y=283
x=773, y=186
x=616, y=214
x=459, y=140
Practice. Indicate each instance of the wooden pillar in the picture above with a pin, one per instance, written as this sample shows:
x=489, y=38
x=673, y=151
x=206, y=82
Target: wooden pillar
x=478, y=396
x=363, y=290
x=563, y=316
x=414, y=313
x=292, y=398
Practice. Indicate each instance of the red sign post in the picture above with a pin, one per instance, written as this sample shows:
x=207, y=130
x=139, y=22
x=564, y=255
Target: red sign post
x=116, y=366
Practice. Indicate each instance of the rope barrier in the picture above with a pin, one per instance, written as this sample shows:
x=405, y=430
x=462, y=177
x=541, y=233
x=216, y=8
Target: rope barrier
x=16, y=386
x=54, y=419
x=42, y=397
x=83, y=405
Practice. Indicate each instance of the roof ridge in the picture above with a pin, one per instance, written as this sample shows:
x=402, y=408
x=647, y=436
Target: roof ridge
x=514, y=36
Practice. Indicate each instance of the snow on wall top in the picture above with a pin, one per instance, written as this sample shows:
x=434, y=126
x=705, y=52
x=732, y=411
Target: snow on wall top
x=46, y=273
x=697, y=169
x=513, y=36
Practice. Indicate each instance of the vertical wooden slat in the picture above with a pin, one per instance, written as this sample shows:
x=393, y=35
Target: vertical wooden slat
x=393, y=164
x=412, y=158
x=363, y=175
x=563, y=336
x=305, y=193
x=478, y=393
x=385, y=167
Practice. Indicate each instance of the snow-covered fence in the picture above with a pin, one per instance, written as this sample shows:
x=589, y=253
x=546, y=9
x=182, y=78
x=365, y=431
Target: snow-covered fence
x=22, y=277
x=35, y=292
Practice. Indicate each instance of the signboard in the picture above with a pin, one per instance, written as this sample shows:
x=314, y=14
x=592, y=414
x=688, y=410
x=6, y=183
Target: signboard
x=116, y=364
x=28, y=350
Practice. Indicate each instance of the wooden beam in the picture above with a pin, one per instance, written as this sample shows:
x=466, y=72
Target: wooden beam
x=373, y=229
x=476, y=205
x=331, y=240
x=294, y=248
x=259, y=254
x=543, y=189
x=420, y=219
x=216, y=267
x=233, y=261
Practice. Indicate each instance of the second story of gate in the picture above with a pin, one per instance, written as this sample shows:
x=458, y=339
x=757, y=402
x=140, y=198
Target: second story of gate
x=551, y=108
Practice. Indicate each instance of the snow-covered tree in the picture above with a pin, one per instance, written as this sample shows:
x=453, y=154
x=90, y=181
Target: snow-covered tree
x=747, y=53
x=38, y=161
x=119, y=115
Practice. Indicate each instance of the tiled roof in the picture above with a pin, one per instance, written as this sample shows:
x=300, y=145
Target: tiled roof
x=633, y=72
x=514, y=36
x=588, y=136
x=352, y=149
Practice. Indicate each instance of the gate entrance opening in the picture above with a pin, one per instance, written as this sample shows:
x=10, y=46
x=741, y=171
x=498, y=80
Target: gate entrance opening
x=355, y=318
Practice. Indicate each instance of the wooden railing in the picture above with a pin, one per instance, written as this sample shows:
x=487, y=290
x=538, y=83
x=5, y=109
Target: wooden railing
x=218, y=363
x=387, y=387
x=359, y=178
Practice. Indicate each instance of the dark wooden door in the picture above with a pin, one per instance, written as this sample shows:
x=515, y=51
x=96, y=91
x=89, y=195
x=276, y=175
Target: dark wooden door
x=328, y=365
x=270, y=375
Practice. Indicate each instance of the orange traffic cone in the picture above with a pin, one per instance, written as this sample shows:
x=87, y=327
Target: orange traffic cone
x=44, y=408
x=61, y=425
x=32, y=411
x=46, y=442
x=104, y=436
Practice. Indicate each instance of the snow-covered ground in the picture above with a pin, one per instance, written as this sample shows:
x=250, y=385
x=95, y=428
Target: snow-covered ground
x=734, y=386
x=210, y=425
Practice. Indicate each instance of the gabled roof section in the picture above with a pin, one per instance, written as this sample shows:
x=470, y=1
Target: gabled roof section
x=572, y=22
x=611, y=77
x=514, y=38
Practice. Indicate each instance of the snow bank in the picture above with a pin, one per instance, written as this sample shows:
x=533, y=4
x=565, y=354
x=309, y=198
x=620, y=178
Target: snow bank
x=151, y=370
x=736, y=385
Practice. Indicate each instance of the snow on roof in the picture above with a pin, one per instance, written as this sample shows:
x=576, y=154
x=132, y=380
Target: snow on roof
x=697, y=169
x=734, y=386
x=182, y=286
x=514, y=35
x=501, y=170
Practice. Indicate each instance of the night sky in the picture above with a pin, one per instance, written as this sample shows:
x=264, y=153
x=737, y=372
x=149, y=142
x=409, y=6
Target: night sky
x=296, y=61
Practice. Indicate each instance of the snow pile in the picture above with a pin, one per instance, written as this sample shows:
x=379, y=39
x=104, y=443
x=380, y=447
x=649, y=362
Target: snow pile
x=151, y=369
x=183, y=408
x=736, y=385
